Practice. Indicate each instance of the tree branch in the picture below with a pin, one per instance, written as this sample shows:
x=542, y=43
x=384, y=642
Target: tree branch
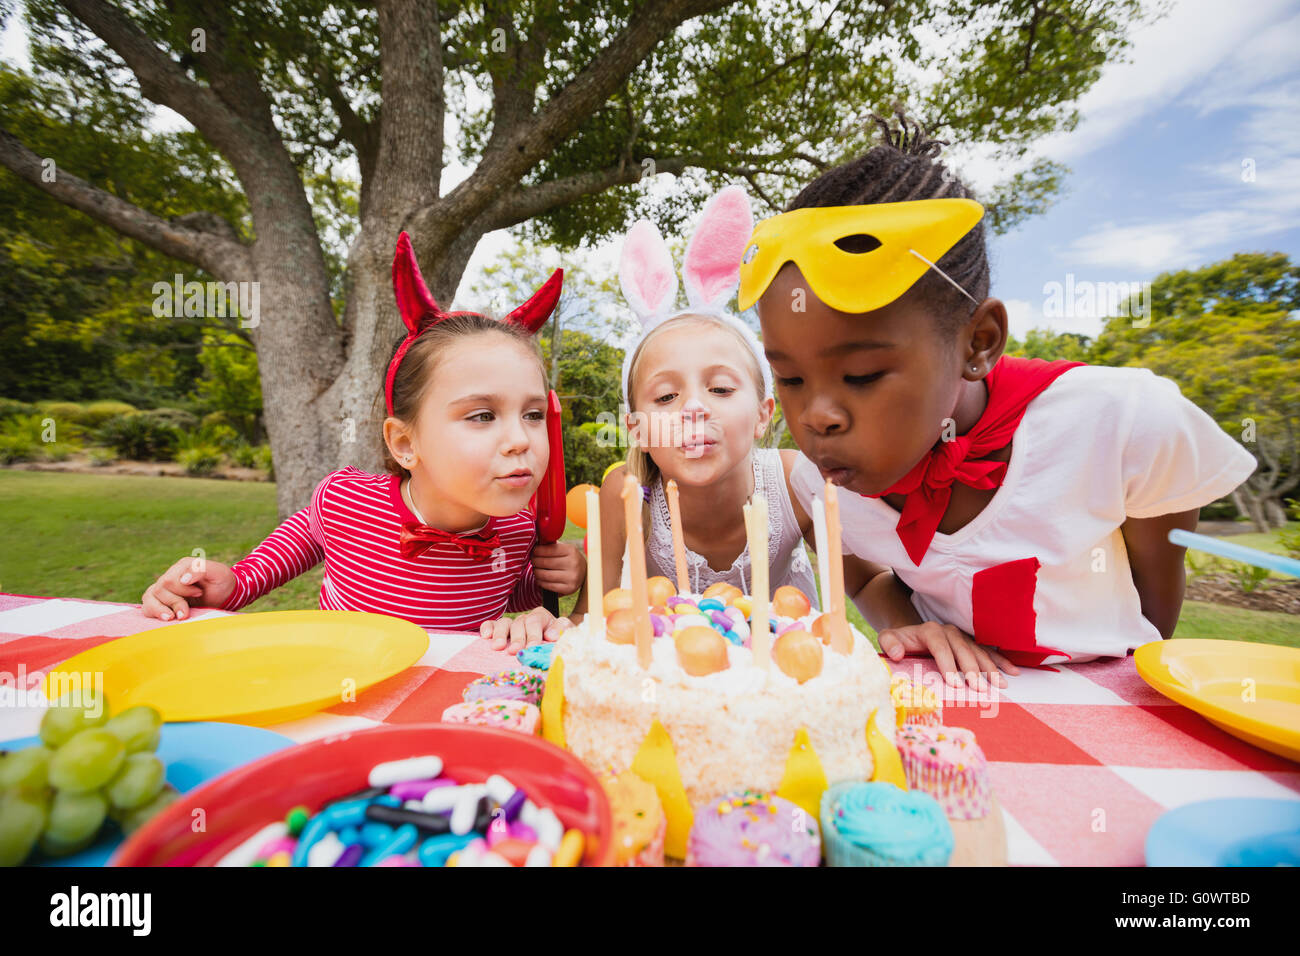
x=436, y=224
x=161, y=78
x=222, y=255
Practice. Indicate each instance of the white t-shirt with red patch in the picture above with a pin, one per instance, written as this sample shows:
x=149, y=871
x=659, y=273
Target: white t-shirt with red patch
x=1043, y=571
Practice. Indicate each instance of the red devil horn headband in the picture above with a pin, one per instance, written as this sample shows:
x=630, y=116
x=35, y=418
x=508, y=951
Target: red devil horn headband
x=416, y=304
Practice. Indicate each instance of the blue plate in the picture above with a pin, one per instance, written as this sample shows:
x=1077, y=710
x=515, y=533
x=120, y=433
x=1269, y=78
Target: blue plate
x=194, y=753
x=1243, y=831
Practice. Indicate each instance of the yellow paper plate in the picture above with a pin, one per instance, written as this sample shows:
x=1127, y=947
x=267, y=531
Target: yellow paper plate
x=1252, y=691
x=257, y=669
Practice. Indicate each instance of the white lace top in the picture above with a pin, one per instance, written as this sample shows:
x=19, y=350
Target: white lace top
x=787, y=561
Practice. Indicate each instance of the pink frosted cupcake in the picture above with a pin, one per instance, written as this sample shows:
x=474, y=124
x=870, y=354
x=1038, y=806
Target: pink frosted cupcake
x=752, y=828
x=946, y=763
x=915, y=704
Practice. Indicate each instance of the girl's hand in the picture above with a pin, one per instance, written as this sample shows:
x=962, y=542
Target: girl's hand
x=559, y=567
x=513, y=635
x=189, y=582
x=953, y=650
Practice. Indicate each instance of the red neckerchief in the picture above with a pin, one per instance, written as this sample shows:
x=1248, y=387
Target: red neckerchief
x=1012, y=383
x=418, y=538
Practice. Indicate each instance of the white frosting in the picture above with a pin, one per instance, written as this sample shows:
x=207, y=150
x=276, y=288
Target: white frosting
x=730, y=729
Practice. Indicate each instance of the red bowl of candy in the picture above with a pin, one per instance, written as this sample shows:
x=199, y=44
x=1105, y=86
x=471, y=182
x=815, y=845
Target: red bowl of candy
x=239, y=804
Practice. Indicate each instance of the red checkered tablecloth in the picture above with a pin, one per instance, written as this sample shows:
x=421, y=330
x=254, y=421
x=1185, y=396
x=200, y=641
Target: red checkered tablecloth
x=1083, y=758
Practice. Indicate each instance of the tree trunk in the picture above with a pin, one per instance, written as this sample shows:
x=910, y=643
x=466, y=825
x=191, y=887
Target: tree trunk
x=1248, y=503
x=1275, y=512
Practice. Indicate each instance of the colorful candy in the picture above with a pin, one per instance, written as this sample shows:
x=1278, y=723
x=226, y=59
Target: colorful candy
x=426, y=822
x=701, y=651
x=400, y=771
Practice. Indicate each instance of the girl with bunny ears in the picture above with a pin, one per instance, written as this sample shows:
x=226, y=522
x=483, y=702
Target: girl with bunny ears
x=445, y=539
x=699, y=396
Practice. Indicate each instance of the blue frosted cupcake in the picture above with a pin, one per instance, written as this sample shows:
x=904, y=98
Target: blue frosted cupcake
x=877, y=824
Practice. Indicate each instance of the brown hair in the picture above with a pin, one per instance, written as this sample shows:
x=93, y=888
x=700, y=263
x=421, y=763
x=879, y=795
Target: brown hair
x=639, y=462
x=421, y=361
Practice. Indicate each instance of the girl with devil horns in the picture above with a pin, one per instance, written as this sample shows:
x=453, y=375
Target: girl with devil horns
x=446, y=538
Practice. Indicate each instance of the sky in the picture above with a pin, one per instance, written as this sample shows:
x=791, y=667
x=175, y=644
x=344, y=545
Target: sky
x=1185, y=154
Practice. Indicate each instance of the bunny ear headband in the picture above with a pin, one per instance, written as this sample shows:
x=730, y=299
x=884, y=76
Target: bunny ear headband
x=711, y=273
x=415, y=303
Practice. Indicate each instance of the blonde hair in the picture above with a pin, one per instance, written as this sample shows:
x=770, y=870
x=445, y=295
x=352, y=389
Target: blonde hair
x=639, y=462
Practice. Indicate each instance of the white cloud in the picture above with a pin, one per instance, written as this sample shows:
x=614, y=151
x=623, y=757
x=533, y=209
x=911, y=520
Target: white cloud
x=1166, y=59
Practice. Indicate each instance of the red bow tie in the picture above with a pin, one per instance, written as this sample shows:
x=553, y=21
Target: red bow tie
x=418, y=538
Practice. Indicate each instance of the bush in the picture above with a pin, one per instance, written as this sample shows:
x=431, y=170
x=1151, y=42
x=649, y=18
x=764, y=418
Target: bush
x=176, y=417
x=243, y=455
x=96, y=413
x=99, y=457
x=223, y=436
x=262, y=459
x=142, y=436
x=63, y=412
x=16, y=448
x=200, y=459
x=10, y=408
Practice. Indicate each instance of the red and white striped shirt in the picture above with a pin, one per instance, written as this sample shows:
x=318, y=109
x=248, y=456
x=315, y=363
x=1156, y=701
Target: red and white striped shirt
x=354, y=522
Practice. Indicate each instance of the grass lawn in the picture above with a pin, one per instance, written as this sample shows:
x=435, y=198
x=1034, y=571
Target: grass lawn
x=107, y=537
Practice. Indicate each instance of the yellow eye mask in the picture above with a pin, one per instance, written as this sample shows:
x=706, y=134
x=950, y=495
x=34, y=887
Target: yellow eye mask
x=912, y=237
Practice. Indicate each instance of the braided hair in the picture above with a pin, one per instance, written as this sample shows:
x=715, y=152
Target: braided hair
x=902, y=168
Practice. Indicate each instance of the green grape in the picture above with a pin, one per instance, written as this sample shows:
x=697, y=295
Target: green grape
x=138, y=727
x=26, y=769
x=132, y=820
x=70, y=715
x=74, y=821
x=87, y=761
x=138, y=782
x=22, y=818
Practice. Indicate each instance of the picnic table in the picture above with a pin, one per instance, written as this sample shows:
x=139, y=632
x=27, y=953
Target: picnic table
x=1083, y=758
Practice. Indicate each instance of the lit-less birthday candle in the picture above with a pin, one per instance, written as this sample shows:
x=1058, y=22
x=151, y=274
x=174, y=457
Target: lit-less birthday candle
x=636, y=560
x=841, y=639
x=823, y=559
x=595, y=572
x=679, y=542
x=756, y=533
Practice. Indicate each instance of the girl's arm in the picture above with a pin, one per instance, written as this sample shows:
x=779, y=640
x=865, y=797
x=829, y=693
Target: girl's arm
x=1157, y=566
x=886, y=604
x=290, y=550
x=613, y=538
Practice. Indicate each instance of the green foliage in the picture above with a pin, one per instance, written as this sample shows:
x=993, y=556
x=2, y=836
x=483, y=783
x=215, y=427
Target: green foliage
x=100, y=457
x=10, y=407
x=76, y=318
x=141, y=436
x=96, y=413
x=15, y=448
x=1248, y=577
x=586, y=457
x=1228, y=335
x=199, y=459
x=1046, y=344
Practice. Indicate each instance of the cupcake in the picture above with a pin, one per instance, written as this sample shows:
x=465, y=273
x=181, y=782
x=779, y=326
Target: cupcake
x=915, y=704
x=639, y=822
x=503, y=714
x=507, y=685
x=877, y=824
x=752, y=828
x=946, y=763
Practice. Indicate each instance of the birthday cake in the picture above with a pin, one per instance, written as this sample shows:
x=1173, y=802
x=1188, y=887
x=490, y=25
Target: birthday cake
x=705, y=717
